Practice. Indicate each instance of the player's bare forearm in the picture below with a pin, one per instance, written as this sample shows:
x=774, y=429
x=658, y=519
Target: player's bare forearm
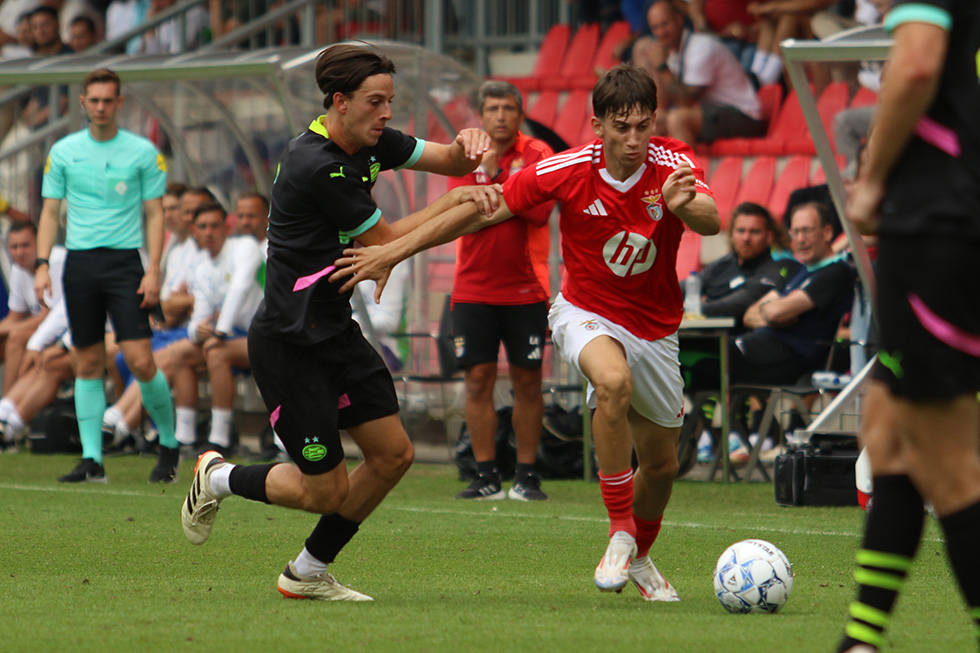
x=701, y=215
x=485, y=197
x=47, y=228
x=154, y=232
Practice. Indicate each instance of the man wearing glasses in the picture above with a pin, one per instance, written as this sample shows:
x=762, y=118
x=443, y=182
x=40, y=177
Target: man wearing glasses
x=790, y=330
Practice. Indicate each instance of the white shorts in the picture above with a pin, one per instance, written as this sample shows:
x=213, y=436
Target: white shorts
x=658, y=389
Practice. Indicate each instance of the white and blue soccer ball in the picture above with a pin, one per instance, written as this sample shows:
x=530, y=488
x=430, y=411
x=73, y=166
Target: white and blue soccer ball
x=753, y=576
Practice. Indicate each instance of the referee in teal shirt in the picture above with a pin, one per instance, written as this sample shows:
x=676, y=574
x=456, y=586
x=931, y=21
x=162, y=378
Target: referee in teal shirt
x=106, y=173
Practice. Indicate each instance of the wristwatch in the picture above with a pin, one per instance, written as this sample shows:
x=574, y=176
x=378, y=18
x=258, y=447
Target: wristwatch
x=39, y=262
x=663, y=67
x=220, y=336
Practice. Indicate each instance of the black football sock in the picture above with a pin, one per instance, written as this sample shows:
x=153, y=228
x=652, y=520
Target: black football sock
x=523, y=469
x=891, y=538
x=962, y=531
x=248, y=481
x=487, y=467
x=332, y=533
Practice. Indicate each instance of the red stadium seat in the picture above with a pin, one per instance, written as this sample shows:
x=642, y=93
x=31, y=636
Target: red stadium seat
x=758, y=182
x=604, y=59
x=575, y=111
x=688, y=254
x=577, y=61
x=724, y=184
x=832, y=101
x=552, y=50
x=796, y=174
x=545, y=109
x=819, y=175
x=864, y=97
x=770, y=97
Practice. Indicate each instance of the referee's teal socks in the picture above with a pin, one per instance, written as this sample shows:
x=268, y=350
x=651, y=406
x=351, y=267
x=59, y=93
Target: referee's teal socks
x=89, y=408
x=160, y=407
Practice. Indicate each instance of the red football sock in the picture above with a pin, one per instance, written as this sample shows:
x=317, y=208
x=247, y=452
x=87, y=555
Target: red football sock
x=617, y=495
x=646, y=534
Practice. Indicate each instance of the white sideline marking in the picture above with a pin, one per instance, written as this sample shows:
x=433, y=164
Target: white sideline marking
x=90, y=488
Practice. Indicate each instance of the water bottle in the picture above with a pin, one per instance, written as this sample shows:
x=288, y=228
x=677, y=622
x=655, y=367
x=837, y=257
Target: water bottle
x=692, y=295
x=830, y=380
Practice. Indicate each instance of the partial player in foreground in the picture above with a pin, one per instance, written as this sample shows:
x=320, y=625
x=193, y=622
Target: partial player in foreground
x=920, y=192
x=316, y=372
x=625, y=200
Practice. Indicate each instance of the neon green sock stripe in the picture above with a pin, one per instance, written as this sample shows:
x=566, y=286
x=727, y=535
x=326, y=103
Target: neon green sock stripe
x=878, y=579
x=865, y=634
x=871, y=615
x=975, y=612
x=894, y=561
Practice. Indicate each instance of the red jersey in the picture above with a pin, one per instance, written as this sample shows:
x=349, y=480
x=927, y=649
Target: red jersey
x=619, y=241
x=506, y=264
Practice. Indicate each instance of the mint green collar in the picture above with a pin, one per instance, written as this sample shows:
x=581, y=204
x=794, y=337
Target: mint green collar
x=825, y=262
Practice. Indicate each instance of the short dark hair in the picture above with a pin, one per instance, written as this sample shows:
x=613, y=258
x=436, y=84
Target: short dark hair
x=756, y=210
x=175, y=188
x=823, y=212
x=209, y=207
x=621, y=90
x=343, y=67
x=84, y=20
x=101, y=76
x=199, y=190
x=23, y=225
x=44, y=9
x=254, y=195
x=498, y=89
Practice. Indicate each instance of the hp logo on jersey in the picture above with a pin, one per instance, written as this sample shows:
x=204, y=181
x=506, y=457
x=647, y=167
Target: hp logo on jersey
x=628, y=254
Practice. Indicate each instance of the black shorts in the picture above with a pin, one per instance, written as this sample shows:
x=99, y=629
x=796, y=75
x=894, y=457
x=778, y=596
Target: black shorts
x=929, y=316
x=100, y=281
x=725, y=121
x=312, y=392
x=478, y=330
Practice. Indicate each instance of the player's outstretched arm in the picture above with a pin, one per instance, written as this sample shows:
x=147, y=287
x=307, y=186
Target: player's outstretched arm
x=486, y=198
x=376, y=262
x=455, y=159
x=696, y=210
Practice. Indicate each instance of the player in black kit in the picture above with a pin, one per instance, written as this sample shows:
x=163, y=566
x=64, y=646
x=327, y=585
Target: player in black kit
x=920, y=192
x=316, y=372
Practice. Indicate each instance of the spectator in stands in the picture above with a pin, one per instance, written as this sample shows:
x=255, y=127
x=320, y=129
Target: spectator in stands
x=47, y=43
x=122, y=16
x=26, y=313
x=81, y=34
x=780, y=20
x=23, y=45
x=731, y=22
x=70, y=10
x=500, y=294
x=702, y=92
x=790, y=330
x=226, y=294
x=12, y=12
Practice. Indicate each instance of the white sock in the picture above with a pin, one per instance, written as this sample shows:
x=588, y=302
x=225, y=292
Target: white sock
x=121, y=430
x=6, y=405
x=772, y=72
x=759, y=61
x=111, y=417
x=185, y=425
x=14, y=421
x=306, y=565
x=220, y=427
x=219, y=481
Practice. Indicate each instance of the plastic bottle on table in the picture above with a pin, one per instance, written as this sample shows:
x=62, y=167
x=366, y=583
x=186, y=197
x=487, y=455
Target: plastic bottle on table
x=692, y=295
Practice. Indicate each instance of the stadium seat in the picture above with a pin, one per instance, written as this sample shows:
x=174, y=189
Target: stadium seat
x=575, y=112
x=577, y=61
x=552, y=50
x=587, y=135
x=758, y=182
x=544, y=109
x=724, y=185
x=819, y=175
x=863, y=98
x=771, y=98
x=796, y=174
x=604, y=59
x=688, y=254
x=788, y=133
x=832, y=101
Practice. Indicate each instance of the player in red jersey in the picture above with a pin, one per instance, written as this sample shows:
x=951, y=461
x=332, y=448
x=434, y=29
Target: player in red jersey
x=625, y=200
x=500, y=294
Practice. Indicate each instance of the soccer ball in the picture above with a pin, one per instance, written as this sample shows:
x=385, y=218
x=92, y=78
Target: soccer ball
x=753, y=576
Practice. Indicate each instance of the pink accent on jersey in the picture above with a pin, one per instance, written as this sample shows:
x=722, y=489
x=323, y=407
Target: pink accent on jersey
x=619, y=240
x=938, y=135
x=506, y=264
x=952, y=335
x=305, y=282
x=343, y=402
x=274, y=416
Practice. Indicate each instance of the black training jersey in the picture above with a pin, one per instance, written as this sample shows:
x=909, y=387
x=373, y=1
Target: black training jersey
x=935, y=187
x=321, y=200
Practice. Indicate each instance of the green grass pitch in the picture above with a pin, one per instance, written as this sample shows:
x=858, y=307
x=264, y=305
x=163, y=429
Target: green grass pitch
x=107, y=568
